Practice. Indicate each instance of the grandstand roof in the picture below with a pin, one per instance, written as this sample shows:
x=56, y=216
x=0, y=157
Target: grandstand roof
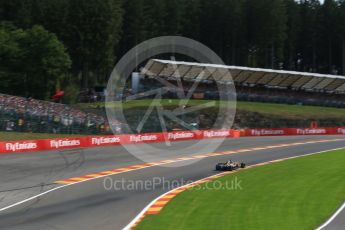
x=244, y=75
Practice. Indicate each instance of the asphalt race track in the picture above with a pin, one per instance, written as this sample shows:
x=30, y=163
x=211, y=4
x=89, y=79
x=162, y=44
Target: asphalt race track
x=89, y=205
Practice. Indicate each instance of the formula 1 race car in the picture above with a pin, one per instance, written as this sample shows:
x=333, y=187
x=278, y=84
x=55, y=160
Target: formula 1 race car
x=229, y=166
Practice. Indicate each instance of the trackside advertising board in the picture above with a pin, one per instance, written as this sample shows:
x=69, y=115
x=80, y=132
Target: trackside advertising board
x=293, y=131
x=126, y=139
x=96, y=141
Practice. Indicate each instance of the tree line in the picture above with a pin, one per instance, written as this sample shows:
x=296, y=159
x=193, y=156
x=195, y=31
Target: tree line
x=77, y=42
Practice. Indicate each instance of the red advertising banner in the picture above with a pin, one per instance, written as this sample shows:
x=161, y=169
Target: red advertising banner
x=218, y=133
x=186, y=135
x=65, y=143
x=264, y=132
x=125, y=139
x=94, y=141
x=20, y=146
x=293, y=131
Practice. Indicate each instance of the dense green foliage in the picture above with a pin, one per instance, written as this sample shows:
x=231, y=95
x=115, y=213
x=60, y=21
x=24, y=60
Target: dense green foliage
x=293, y=194
x=32, y=60
x=300, y=35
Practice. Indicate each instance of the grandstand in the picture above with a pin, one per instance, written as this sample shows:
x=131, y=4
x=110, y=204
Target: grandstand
x=253, y=84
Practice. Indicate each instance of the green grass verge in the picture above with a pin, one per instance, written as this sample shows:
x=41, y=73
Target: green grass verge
x=292, y=111
x=14, y=136
x=296, y=194
x=281, y=110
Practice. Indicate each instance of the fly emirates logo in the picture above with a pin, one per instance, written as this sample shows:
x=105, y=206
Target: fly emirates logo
x=105, y=140
x=20, y=146
x=176, y=136
x=220, y=133
x=311, y=131
x=260, y=132
x=142, y=138
x=341, y=130
x=64, y=143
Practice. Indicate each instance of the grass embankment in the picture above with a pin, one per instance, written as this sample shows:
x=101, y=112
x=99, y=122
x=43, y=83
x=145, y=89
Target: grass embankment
x=14, y=136
x=295, y=194
x=281, y=110
x=292, y=111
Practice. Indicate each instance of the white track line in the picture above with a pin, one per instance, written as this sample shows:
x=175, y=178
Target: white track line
x=67, y=185
x=332, y=217
x=134, y=221
x=140, y=215
x=31, y=198
x=63, y=186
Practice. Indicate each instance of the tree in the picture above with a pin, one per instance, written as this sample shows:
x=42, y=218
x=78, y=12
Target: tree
x=173, y=17
x=224, y=30
x=31, y=61
x=89, y=29
x=94, y=32
x=133, y=27
x=266, y=26
x=309, y=35
x=154, y=18
x=293, y=30
x=305, y=35
x=52, y=15
x=17, y=11
x=234, y=29
x=342, y=31
x=190, y=22
x=328, y=34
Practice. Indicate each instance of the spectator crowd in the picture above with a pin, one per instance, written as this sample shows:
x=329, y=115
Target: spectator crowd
x=27, y=114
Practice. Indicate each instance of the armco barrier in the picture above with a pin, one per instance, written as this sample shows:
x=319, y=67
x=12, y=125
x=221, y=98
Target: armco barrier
x=96, y=141
x=293, y=131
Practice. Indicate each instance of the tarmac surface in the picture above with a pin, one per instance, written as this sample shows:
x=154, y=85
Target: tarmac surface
x=111, y=202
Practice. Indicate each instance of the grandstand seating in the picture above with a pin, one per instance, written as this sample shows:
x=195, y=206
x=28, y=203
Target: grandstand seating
x=261, y=85
x=257, y=94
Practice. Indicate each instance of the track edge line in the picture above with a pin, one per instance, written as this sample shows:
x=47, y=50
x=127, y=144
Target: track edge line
x=142, y=215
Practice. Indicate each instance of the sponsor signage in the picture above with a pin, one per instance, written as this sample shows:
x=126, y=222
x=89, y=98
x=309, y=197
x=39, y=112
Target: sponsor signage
x=20, y=146
x=294, y=131
x=341, y=131
x=216, y=133
x=110, y=140
x=64, y=143
x=95, y=141
x=316, y=131
x=139, y=138
x=181, y=136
